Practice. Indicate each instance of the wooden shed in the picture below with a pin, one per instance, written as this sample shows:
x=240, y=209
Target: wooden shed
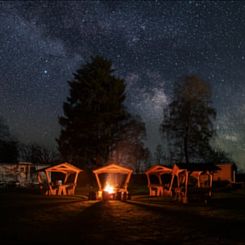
x=17, y=174
x=59, y=179
x=227, y=172
x=183, y=180
x=113, y=180
x=189, y=180
x=158, y=187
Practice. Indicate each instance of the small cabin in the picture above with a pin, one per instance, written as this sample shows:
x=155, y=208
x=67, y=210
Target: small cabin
x=158, y=179
x=18, y=174
x=226, y=172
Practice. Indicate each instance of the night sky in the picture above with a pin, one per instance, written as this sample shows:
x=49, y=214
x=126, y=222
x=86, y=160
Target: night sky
x=150, y=43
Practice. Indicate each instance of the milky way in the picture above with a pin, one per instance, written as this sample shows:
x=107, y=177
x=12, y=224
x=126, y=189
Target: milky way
x=150, y=43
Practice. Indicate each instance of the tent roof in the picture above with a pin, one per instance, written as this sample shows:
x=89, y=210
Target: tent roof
x=113, y=168
x=62, y=167
x=158, y=169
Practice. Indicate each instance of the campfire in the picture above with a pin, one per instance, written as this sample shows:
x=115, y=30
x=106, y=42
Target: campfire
x=109, y=192
x=113, y=181
x=109, y=189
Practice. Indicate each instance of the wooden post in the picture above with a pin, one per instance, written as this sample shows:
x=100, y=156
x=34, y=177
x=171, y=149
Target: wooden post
x=48, y=177
x=74, y=184
x=75, y=180
x=178, y=187
x=198, y=180
x=66, y=177
x=127, y=181
x=160, y=179
x=160, y=188
x=172, y=181
x=210, y=184
x=51, y=191
x=185, y=198
x=98, y=181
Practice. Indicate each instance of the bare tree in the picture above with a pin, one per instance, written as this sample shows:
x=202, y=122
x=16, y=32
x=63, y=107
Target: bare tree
x=188, y=122
x=159, y=154
x=37, y=154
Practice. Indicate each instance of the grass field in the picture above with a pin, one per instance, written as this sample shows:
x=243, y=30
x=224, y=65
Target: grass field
x=31, y=218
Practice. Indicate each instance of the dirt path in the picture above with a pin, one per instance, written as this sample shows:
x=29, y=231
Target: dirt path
x=113, y=222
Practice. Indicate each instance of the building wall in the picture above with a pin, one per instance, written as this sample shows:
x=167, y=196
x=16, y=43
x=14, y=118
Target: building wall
x=8, y=172
x=226, y=172
x=19, y=173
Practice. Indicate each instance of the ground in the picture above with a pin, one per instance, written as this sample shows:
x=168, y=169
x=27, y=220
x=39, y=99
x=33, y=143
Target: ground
x=31, y=218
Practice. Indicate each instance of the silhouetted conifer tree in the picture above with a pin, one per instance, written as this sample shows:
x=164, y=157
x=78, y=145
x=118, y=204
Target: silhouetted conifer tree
x=94, y=114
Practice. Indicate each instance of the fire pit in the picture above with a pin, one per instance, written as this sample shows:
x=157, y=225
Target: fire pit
x=108, y=192
x=113, y=181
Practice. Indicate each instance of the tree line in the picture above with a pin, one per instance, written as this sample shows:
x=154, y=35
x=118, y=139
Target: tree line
x=12, y=151
x=96, y=126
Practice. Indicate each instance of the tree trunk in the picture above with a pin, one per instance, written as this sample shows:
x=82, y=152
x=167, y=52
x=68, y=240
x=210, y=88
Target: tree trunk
x=186, y=149
x=186, y=137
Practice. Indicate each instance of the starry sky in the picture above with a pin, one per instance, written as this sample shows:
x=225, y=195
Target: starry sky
x=150, y=43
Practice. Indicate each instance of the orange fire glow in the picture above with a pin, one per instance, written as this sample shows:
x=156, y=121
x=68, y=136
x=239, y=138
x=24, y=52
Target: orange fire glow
x=109, y=188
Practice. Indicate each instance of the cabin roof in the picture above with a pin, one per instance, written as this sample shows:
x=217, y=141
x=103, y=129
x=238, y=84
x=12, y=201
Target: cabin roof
x=61, y=167
x=198, y=166
x=158, y=169
x=113, y=168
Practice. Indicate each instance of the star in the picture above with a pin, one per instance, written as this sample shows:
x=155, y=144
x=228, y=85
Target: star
x=150, y=43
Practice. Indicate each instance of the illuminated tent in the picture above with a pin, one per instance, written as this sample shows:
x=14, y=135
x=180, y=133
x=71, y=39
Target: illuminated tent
x=116, y=179
x=159, y=188
x=59, y=179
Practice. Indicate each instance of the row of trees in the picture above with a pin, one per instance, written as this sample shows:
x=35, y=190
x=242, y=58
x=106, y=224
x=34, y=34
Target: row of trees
x=11, y=150
x=8, y=145
x=96, y=126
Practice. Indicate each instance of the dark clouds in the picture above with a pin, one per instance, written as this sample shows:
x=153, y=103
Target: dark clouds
x=151, y=43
